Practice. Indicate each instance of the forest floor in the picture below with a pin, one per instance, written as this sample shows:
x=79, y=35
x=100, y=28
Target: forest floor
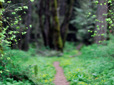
x=95, y=66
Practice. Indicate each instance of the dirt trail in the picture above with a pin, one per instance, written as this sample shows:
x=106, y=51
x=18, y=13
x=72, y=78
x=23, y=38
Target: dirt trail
x=59, y=77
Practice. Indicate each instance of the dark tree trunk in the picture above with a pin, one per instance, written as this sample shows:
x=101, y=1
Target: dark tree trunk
x=49, y=24
x=56, y=27
x=101, y=24
x=65, y=24
x=41, y=20
x=62, y=7
x=25, y=45
x=19, y=37
x=49, y=15
x=14, y=45
x=47, y=21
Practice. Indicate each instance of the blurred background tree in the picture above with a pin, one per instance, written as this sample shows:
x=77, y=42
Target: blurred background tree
x=83, y=19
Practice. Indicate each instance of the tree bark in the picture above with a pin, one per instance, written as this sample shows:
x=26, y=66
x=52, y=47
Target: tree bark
x=49, y=24
x=54, y=35
x=47, y=21
x=56, y=27
x=101, y=24
x=25, y=45
x=65, y=24
x=41, y=20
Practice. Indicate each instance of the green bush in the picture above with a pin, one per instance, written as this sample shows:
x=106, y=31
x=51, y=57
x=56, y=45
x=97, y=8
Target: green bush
x=24, y=68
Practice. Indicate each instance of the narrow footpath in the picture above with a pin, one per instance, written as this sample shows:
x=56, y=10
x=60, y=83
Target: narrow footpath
x=59, y=77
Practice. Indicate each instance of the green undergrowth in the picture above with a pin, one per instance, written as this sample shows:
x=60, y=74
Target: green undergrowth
x=95, y=65
x=27, y=68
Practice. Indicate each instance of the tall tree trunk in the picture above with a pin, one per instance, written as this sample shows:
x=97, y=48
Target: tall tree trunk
x=49, y=24
x=62, y=7
x=28, y=22
x=65, y=24
x=101, y=24
x=53, y=36
x=56, y=27
x=41, y=20
x=47, y=21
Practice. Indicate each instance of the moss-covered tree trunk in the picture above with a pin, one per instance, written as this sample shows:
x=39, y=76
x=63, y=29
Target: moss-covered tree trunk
x=54, y=35
x=101, y=24
x=58, y=44
x=65, y=24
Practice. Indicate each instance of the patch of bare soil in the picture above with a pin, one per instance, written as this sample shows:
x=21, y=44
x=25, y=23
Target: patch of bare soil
x=59, y=77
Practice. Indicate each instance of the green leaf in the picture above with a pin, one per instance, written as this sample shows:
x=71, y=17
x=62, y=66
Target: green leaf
x=25, y=7
x=32, y=0
x=2, y=1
